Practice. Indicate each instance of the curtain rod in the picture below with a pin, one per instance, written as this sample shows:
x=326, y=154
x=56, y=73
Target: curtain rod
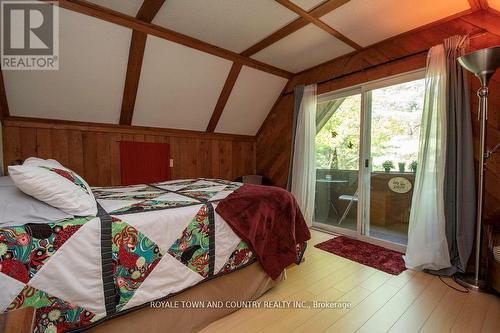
x=384, y=63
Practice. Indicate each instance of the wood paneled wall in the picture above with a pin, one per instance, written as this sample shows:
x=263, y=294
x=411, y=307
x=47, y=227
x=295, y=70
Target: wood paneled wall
x=391, y=57
x=92, y=150
x=274, y=142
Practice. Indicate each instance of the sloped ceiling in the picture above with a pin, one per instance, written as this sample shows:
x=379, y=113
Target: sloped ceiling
x=307, y=4
x=303, y=49
x=89, y=83
x=495, y=4
x=234, y=25
x=368, y=22
x=129, y=7
x=238, y=24
x=179, y=87
x=252, y=97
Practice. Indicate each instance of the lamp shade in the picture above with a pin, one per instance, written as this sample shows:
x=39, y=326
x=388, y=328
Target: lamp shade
x=483, y=63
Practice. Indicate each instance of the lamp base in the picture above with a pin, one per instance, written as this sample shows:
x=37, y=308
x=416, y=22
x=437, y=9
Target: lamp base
x=469, y=281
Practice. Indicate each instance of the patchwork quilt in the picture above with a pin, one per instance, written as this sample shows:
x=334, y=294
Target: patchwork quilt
x=146, y=243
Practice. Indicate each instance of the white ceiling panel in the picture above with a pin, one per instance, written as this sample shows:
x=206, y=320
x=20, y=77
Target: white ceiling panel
x=231, y=24
x=253, y=95
x=368, y=21
x=495, y=4
x=129, y=7
x=307, y=5
x=303, y=49
x=179, y=86
x=89, y=84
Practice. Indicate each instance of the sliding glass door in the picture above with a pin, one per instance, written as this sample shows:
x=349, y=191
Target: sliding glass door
x=393, y=116
x=337, y=161
x=366, y=152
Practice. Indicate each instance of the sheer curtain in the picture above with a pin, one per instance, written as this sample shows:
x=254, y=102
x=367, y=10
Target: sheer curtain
x=303, y=167
x=427, y=246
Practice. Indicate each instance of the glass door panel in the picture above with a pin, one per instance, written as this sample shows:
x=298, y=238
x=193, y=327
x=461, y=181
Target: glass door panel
x=393, y=116
x=337, y=162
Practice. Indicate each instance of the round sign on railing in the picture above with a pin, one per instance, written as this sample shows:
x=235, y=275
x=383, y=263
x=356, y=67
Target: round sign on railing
x=399, y=185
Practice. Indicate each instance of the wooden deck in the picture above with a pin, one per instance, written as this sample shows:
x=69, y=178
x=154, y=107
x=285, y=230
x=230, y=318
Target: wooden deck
x=410, y=302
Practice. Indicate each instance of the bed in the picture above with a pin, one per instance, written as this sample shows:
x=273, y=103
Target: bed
x=146, y=243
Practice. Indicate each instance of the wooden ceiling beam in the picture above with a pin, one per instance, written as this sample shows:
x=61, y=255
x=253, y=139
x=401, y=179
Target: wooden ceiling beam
x=224, y=96
x=4, y=106
x=134, y=66
x=106, y=14
x=317, y=12
x=304, y=19
x=320, y=24
x=146, y=13
x=149, y=9
x=478, y=4
x=276, y=36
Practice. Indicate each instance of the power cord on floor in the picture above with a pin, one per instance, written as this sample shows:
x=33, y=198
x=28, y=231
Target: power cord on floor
x=464, y=290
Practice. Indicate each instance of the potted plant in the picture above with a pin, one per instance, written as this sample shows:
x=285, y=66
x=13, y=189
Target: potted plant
x=388, y=165
x=401, y=166
x=413, y=166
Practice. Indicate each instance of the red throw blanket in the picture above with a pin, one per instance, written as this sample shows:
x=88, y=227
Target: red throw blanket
x=269, y=220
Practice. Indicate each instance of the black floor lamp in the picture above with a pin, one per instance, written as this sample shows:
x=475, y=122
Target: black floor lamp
x=483, y=64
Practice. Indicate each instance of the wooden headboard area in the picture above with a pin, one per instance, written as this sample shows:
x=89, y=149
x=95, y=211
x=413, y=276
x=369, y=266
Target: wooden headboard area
x=93, y=150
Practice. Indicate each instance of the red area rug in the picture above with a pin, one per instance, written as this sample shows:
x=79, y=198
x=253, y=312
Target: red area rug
x=375, y=256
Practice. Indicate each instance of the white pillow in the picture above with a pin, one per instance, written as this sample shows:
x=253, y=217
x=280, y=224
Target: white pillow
x=35, y=161
x=55, y=185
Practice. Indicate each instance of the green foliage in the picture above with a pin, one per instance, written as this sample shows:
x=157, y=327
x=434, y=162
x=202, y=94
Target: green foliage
x=413, y=166
x=337, y=144
x=395, y=128
x=388, y=165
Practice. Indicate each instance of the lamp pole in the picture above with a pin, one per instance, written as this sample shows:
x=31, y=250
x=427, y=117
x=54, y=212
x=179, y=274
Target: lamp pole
x=483, y=64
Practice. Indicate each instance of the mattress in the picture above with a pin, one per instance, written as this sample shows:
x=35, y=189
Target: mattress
x=226, y=290
x=147, y=243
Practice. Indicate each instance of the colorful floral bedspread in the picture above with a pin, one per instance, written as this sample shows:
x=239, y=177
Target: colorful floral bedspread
x=147, y=242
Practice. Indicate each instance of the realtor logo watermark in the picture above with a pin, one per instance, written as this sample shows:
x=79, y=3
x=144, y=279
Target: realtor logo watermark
x=29, y=35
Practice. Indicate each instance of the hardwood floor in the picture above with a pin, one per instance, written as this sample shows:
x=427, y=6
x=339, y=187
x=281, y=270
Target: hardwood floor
x=380, y=302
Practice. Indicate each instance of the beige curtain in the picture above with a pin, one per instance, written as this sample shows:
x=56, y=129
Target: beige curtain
x=303, y=175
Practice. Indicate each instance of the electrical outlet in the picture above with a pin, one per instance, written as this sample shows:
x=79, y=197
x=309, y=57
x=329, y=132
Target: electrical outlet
x=171, y=162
